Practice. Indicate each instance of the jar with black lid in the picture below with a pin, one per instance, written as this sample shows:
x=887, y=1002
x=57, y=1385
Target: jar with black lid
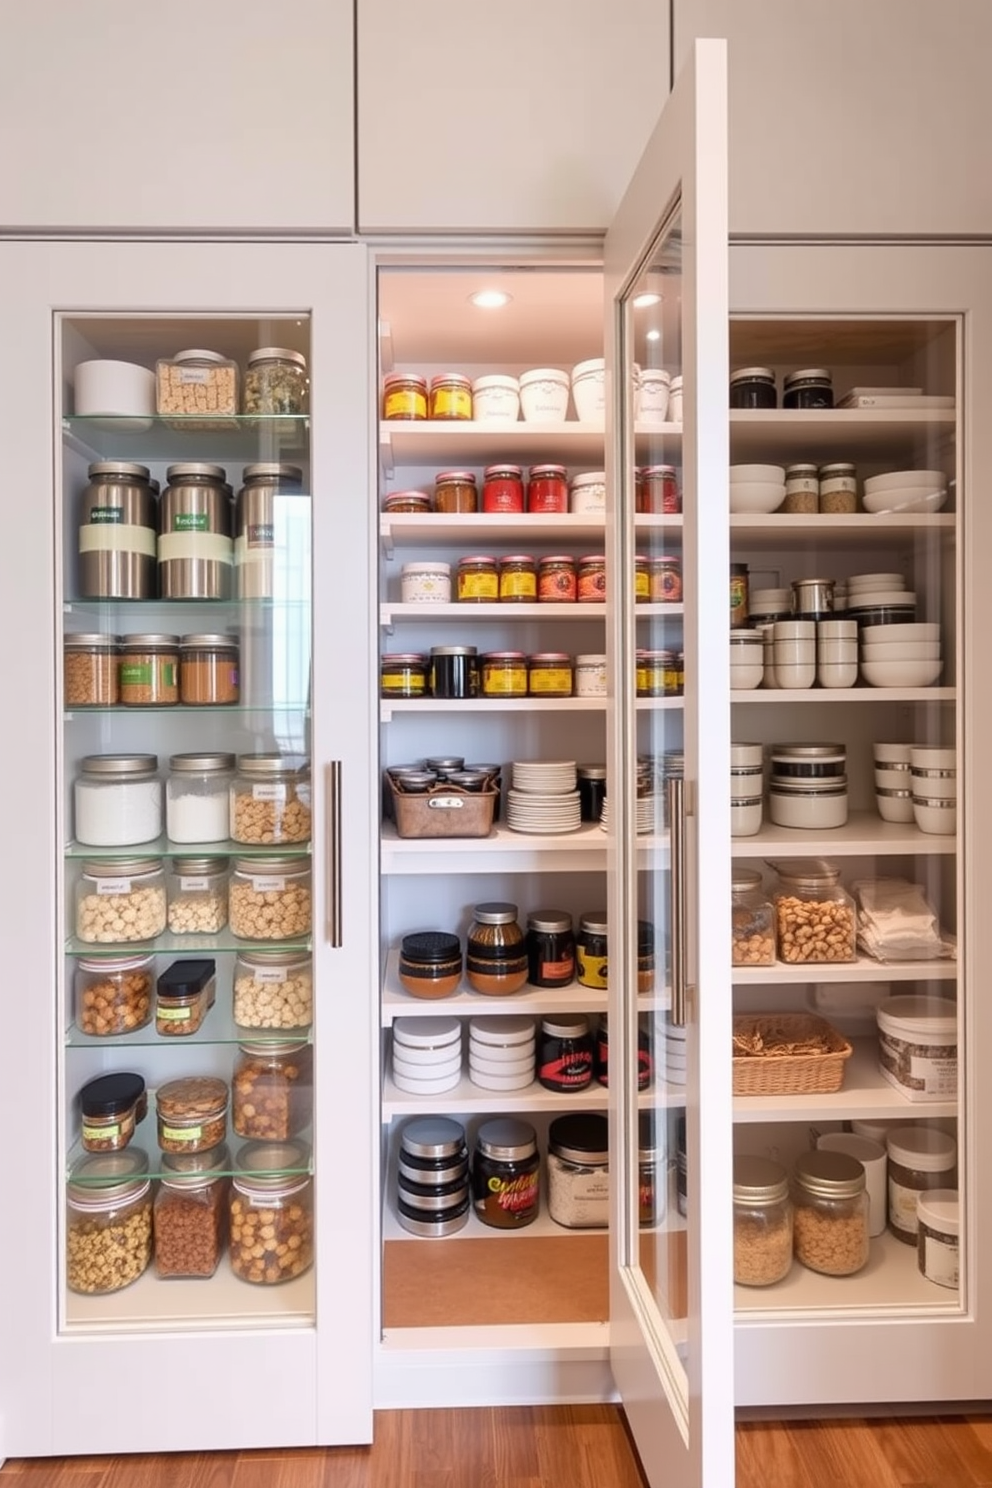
x=579, y=1171
x=590, y=950
x=550, y=948
x=496, y=951
x=592, y=791
x=645, y=1058
x=431, y=963
x=506, y=1179
x=454, y=671
x=812, y=387
x=111, y=1107
x=753, y=387
x=565, y=1052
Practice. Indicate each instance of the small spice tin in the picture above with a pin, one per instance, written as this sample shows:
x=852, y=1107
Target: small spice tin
x=518, y=579
x=450, y=396
x=753, y=387
x=425, y=583
x=403, y=674
x=404, y=396
x=506, y=1174
x=556, y=579
x=578, y=1171
x=503, y=489
x=504, y=674
x=810, y=388
x=478, y=579
x=454, y=671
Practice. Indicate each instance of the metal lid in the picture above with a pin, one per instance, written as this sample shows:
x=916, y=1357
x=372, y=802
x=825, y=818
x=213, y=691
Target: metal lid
x=476, y=558
x=109, y=1095
x=550, y=656
x=157, y=641
x=432, y=1200
x=404, y=379
x=433, y=1136
x=795, y=472
x=272, y=764
x=591, y=772
x=830, y=1175
x=517, y=558
x=742, y=879
x=114, y=963
x=402, y=658
x=743, y=374
x=565, y=1025
x=451, y=379
x=812, y=872
x=539, y=472
x=264, y=1167
x=554, y=920
x=807, y=374
x=758, y=1180
x=274, y=958
x=830, y=785
x=268, y=1048
x=84, y=641
x=209, y=641
x=277, y=353
x=120, y=867
x=580, y=1138
x=445, y=762
x=197, y=763
x=495, y=913
x=197, y=354
x=808, y=751
x=119, y=764
x=465, y=477
x=454, y=651
x=550, y=558
x=594, y=920
x=431, y=947
x=119, y=467
x=180, y=472
x=108, y=1178
x=504, y=656
x=280, y=867
x=198, y=867
x=841, y=467
x=507, y=1139
x=420, y=498
x=272, y=470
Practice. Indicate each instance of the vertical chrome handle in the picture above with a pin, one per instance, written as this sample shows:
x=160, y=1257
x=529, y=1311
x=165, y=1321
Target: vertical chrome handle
x=332, y=779
x=676, y=837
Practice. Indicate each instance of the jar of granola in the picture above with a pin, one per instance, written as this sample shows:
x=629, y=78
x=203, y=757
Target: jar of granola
x=190, y=1215
x=192, y=1113
x=270, y=898
x=91, y=669
x=831, y=1212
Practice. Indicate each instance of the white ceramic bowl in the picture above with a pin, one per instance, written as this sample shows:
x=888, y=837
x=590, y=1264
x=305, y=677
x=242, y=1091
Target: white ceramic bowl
x=589, y=390
x=756, y=496
x=901, y=673
x=934, y=787
x=858, y=583
x=890, y=635
x=899, y=479
x=895, y=807
x=933, y=757
x=836, y=673
x=877, y=597
x=815, y=809
x=747, y=474
x=115, y=389
x=746, y=674
x=496, y=399
x=889, y=779
x=941, y=821
x=769, y=601
x=544, y=395
x=903, y=651
x=651, y=399
x=898, y=754
x=910, y=499
x=747, y=756
x=799, y=674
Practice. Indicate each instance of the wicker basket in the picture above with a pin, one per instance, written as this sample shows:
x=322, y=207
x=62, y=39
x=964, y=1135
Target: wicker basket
x=789, y=1074
x=444, y=812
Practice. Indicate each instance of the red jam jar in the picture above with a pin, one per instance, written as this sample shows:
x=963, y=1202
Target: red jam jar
x=503, y=489
x=656, y=491
x=592, y=579
x=547, y=488
x=556, y=581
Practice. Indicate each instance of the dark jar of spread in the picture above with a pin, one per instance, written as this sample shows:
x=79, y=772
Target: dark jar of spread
x=547, y=488
x=556, y=581
x=753, y=387
x=565, y=1052
x=591, y=584
x=455, y=491
x=650, y=1193
x=477, y=581
x=503, y=489
x=506, y=1180
x=590, y=950
x=550, y=948
x=496, y=951
x=811, y=388
x=454, y=672
x=518, y=579
x=592, y=791
x=430, y=963
x=645, y=1059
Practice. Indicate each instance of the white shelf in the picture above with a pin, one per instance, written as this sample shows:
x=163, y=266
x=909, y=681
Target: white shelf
x=539, y=1228
x=495, y=705
x=880, y=530
x=173, y=1306
x=441, y=530
x=818, y=433
x=890, y=1282
x=398, y=1003
x=864, y=1093
x=864, y=834
x=392, y=611
x=469, y=1099
x=504, y=851
x=859, y=694
x=429, y=442
x=864, y=969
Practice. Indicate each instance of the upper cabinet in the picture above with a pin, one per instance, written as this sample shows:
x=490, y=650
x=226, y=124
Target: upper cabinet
x=235, y=118
x=509, y=118
x=853, y=119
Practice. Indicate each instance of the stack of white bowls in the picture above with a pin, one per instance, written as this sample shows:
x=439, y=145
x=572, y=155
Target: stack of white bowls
x=747, y=781
x=837, y=652
x=900, y=655
x=747, y=659
x=674, y=1055
x=756, y=489
x=808, y=785
x=544, y=797
x=893, y=782
x=501, y=1053
x=905, y=491
x=934, y=776
x=427, y=1055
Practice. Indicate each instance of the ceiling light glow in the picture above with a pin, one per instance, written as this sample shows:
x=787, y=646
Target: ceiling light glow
x=653, y=336
x=490, y=299
x=641, y=301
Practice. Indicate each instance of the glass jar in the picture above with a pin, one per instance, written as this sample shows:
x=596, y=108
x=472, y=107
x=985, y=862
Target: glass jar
x=118, y=533
x=197, y=797
x=149, y=670
x=642, y=578
x=653, y=668
x=739, y=603
x=752, y=920
x=268, y=487
x=565, y=1052
x=450, y=396
x=518, y=579
x=431, y=963
x=506, y=1182
x=91, y=671
x=550, y=948
x=270, y=898
x=550, y=674
x=269, y=1200
x=753, y=387
x=831, y=1212
x=272, y=1090
x=403, y=674
x=921, y=1158
x=496, y=951
x=208, y=670
x=556, y=579
x=656, y=491
x=762, y=1222
x=802, y=489
x=815, y=918
x=838, y=489
x=405, y=502
x=110, y=1109
x=273, y=989
x=645, y=956
x=190, y=1214
x=477, y=580
x=592, y=791
x=185, y=993
x=195, y=533
x=455, y=491
x=196, y=889
x=199, y=386
x=504, y=674
x=108, y=1223
x=650, y=1193
x=590, y=950
x=120, y=900
x=191, y=1113
x=404, y=396
x=113, y=994
x=579, y=1171
x=812, y=387
x=591, y=579
x=454, y=672
x=276, y=382
x=270, y=799
x=547, y=488
x=666, y=580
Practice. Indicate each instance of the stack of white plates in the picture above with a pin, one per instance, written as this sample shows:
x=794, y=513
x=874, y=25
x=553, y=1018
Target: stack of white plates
x=427, y=1055
x=650, y=814
x=501, y=1053
x=544, y=798
x=674, y=1055
x=906, y=491
x=545, y=777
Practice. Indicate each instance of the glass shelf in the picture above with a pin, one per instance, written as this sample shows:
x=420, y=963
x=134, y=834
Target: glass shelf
x=234, y=1168
x=235, y=710
x=183, y=945
x=218, y=1027
x=163, y=847
x=245, y=437
x=139, y=607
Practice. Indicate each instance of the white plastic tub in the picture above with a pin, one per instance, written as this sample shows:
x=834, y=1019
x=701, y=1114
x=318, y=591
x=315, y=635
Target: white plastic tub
x=918, y=1047
x=544, y=395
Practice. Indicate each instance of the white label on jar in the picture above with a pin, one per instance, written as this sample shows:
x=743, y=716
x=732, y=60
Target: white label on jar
x=113, y=886
x=268, y=885
x=590, y=681
x=902, y=1208
x=796, y=483
x=578, y=1199
x=194, y=375
x=194, y=885
x=275, y=792
x=940, y=1261
x=268, y=973
x=939, y=1075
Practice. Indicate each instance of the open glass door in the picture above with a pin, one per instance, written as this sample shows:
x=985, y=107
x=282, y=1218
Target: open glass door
x=668, y=794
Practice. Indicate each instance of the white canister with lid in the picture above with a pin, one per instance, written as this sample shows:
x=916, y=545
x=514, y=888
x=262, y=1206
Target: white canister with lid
x=425, y=583
x=544, y=395
x=589, y=390
x=496, y=399
x=918, y=1046
x=938, y=1237
x=590, y=675
x=653, y=392
x=587, y=492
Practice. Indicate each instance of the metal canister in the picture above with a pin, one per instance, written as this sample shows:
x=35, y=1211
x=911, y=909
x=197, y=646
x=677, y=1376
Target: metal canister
x=195, y=543
x=117, y=533
x=262, y=523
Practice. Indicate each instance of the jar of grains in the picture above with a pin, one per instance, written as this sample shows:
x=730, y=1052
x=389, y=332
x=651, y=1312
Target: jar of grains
x=110, y=1109
x=120, y=900
x=802, y=489
x=197, y=893
x=496, y=950
x=91, y=671
x=272, y=1090
x=506, y=1174
x=762, y=1222
x=197, y=797
x=192, y=1113
x=752, y=920
x=208, y=670
x=579, y=1171
x=831, y=1212
x=184, y=995
x=113, y=994
x=270, y=898
x=273, y=989
x=838, y=488
x=108, y=1222
x=271, y=1215
x=270, y=799
x=149, y=673
x=276, y=382
x=190, y=1215
x=118, y=800
x=814, y=914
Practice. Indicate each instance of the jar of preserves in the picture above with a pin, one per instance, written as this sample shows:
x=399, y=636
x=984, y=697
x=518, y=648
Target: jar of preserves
x=111, y=1107
x=431, y=963
x=831, y=1212
x=258, y=536
x=270, y=799
x=113, y=994
x=454, y=672
x=403, y=674
x=812, y=387
x=815, y=918
x=653, y=668
x=276, y=382
x=108, y=1222
x=271, y=1197
x=838, y=489
x=656, y=491
x=190, y=1214
x=149, y=670
x=197, y=895
x=91, y=671
x=762, y=1222
x=666, y=580
x=504, y=674
x=478, y=579
x=197, y=797
x=753, y=387
x=518, y=579
x=752, y=920
x=503, y=489
x=404, y=396
x=506, y=1180
x=118, y=533
x=273, y=989
x=590, y=950
x=191, y=1113
x=200, y=387
x=921, y=1158
x=642, y=578
x=556, y=579
x=592, y=791
x=185, y=993
x=455, y=491
x=208, y=670
x=579, y=1171
x=739, y=601
x=196, y=537
x=547, y=488
x=591, y=581
x=496, y=950
x=272, y=1090
x=399, y=503
x=450, y=396
x=802, y=489
x=550, y=948
x=270, y=898
x=551, y=674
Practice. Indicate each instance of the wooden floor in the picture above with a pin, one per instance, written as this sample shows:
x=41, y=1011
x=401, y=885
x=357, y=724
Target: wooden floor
x=560, y=1447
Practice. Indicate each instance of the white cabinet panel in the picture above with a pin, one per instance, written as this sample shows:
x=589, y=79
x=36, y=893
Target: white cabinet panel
x=232, y=117
x=516, y=117
x=853, y=118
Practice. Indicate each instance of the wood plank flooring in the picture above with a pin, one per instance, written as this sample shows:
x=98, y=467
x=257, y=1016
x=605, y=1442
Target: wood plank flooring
x=582, y=1446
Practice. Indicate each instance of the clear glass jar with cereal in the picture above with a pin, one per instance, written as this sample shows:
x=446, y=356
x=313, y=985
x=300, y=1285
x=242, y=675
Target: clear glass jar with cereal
x=752, y=920
x=108, y=1222
x=272, y=1089
x=270, y=1194
x=270, y=898
x=831, y=1212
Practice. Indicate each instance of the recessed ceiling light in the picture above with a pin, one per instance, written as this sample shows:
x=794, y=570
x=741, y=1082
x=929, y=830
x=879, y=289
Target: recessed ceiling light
x=653, y=336
x=490, y=299
x=641, y=301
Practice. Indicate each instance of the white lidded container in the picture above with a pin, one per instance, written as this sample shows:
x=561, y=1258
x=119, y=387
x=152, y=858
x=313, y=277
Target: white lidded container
x=115, y=389
x=427, y=1055
x=938, y=1236
x=918, y=1046
x=590, y=675
x=544, y=395
x=745, y=816
x=653, y=390
x=921, y=1159
x=425, y=583
x=807, y=803
x=587, y=492
x=675, y=401
x=496, y=399
x=118, y=800
x=589, y=390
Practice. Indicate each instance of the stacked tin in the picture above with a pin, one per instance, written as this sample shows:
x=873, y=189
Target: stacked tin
x=432, y=1183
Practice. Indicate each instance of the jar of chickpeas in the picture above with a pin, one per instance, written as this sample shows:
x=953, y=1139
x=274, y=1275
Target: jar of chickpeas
x=270, y=898
x=271, y=1214
x=270, y=799
x=108, y=1231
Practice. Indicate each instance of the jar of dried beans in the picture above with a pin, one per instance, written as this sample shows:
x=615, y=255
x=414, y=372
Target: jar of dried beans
x=270, y=799
x=108, y=1223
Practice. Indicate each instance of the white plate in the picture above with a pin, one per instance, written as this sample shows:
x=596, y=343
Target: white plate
x=873, y=582
x=909, y=499
x=904, y=479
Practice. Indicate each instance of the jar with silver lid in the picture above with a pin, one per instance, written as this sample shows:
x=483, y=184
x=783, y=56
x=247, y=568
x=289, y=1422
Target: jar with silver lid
x=273, y=989
x=197, y=797
x=271, y=1193
x=815, y=915
x=118, y=800
x=831, y=1212
x=838, y=488
x=579, y=1171
x=762, y=1222
x=270, y=898
x=108, y=1222
x=91, y=671
x=195, y=543
x=802, y=489
x=197, y=895
x=276, y=382
x=270, y=799
x=260, y=525
x=117, y=533
x=199, y=388
x=810, y=387
x=119, y=900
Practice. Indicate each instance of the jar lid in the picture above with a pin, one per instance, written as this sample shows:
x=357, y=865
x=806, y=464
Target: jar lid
x=503, y=656
x=925, y=1148
x=104, y=964
x=121, y=867
x=80, y=640
x=591, y=659
x=426, y=1033
x=923, y=1019
x=420, y=498
x=198, y=763
x=544, y=374
x=555, y=921
x=593, y=364
x=431, y=947
x=547, y=657
x=197, y=354
x=543, y=472
x=495, y=913
x=517, y=558
x=592, y=558
x=277, y=353
x=507, y=1139
x=426, y=568
x=591, y=772
x=463, y=477
x=806, y=374
x=580, y=1138
x=808, y=751
x=496, y=380
x=594, y=920
x=272, y=470
x=195, y=468
x=192, y=867
x=454, y=651
x=272, y=1168
x=263, y=959
x=750, y=374
x=402, y=658
x=119, y=467
x=472, y=558
x=263, y=1048
x=194, y=1170
x=281, y=867
x=501, y=1032
x=759, y=1180
x=433, y=1136
x=940, y=1210
x=813, y=873
x=207, y=641
x=158, y=641
x=105, y=1179
x=565, y=1025
x=841, y=467
x=552, y=558
x=110, y=1095
x=404, y=379
x=445, y=762
x=588, y=478
x=272, y=764
x=830, y=1175
x=801, y=471
x=834, y=785
x=651, y=472
x=450, y=379
x=742, y=879
x=187, y=977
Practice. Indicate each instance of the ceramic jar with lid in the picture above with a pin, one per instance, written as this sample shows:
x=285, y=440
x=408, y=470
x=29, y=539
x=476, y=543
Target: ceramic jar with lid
x=762, y=1222
x=831, y=1212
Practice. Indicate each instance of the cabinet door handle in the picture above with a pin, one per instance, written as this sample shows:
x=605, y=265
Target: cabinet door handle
x=675, y=788
x=332, y=777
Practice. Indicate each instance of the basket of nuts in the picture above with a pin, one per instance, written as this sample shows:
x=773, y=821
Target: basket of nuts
x=787, y=1054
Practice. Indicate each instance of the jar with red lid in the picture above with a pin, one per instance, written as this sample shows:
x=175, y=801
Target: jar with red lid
x=478, y=579
x=592, y=579
x=666, y=580
x=503, y=489
x=556, y=579
x=518, y=579
x=451, y=396
x=656, y=490
x=455, y=491
x=547, y=488
x=642, y=578
x=404, y=396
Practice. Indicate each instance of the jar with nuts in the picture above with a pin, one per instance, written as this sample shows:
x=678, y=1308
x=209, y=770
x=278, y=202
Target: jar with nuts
x=269, y=898
x=111, y=1107
x=190, y=1215
x=197, y=895
x=108, y=1222
x=752, y=920
x=113, y=994
x=762, y=1222
x=192, y=1113
x=184, y=994
x=831, y=1212
x=272, y=1090
x=270, y=799
x=273, y=990
x=120, y=900
x=271, y=1219
x=814, y=914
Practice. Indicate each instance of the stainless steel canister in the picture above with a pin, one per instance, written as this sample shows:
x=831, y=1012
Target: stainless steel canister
x=117, y=533
x=195, y=544
x=263, y=525
x=813, y=599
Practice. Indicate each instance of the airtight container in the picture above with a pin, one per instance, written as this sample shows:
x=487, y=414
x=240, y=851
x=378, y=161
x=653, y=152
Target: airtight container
x=544, y=395
x=921, y=1159
x=496, y=399
x=918, y=1046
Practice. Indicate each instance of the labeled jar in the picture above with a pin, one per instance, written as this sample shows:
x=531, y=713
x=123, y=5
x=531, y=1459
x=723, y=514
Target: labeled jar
x=454, y=672
x=503, y=489
x=270, y=799
x=270, y=898
x=108, y=1223
x=272, y=1090
x=550, y=948
x=196, y=890
x=921, y=1158
x=450, y=396
x=261, y=528
x=149, y=670
x=431, y=963
x=399, y=503
x=198, y=382
x=403, y=674
x=197, y=797
x=650, y=1193
x=590, y=675
x=425, y=583
x=191, y=1113
x=590, y=950
x=753, y=387
x=645, y=1058
x=645, y=958
x=185, y=993
x=739, y=606
x=587, y=492
x=271, y=1215
x=504, y=674
x=118, y=533
x=110, y=1109
x=762, y=1222
x=656, y=491
x=404, y=396
x=90, y=671
x=815, y=918
x=190, y=1215
x=119, y=900
x=579, y=1171
x=518, y=579
x=477, y=580
x=939, y=1237
x=918, y=1046
x=208, y=670
x=556, y=579
x=652, y=671
x=550, y=674
x=113, y=994
x=195, y=534
x=642, y=578
x=273, y=990
x=547, y=488
x=276, y=382
x=496, y=950
x=802, y=489
x=666, y=580
x=752, y=920
x=838, y=489
x=812, y=387
x=830, y=1212
x=506, y=1174
x=455, y=491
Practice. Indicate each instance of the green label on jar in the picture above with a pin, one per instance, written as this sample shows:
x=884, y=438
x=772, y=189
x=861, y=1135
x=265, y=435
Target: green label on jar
x=136, y=674
x=170, y=674
x=190, y=522
x=182, y=1133
x=100, y=516
x=174, y=1015
x=101, y=1133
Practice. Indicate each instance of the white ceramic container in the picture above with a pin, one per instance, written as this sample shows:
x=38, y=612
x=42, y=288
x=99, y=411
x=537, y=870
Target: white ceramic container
x=748, y=474
x=589, y=390
x=745, y=817
x=906, y=1026
x=903, y=651
x=425, y=583
x=747, y=756
x=932, y=757
x=892, y=754
x=115, y=389
x=496, y=399
x=938, y=818
x=745, y=785
x=756, y=497
x=911, y=499
x=862, y=583
x=794, y=674
x=817, y=809
x=912, y=630
x=746, y=675
x=836, y=630
x=936, y=786
x=895, y=805
x=587, y=492
x=675, y=401
x=874, y=1159
x=544, y=395
x=653, y=389
x=837, y=673
x=888, y=778
x=901, y=673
